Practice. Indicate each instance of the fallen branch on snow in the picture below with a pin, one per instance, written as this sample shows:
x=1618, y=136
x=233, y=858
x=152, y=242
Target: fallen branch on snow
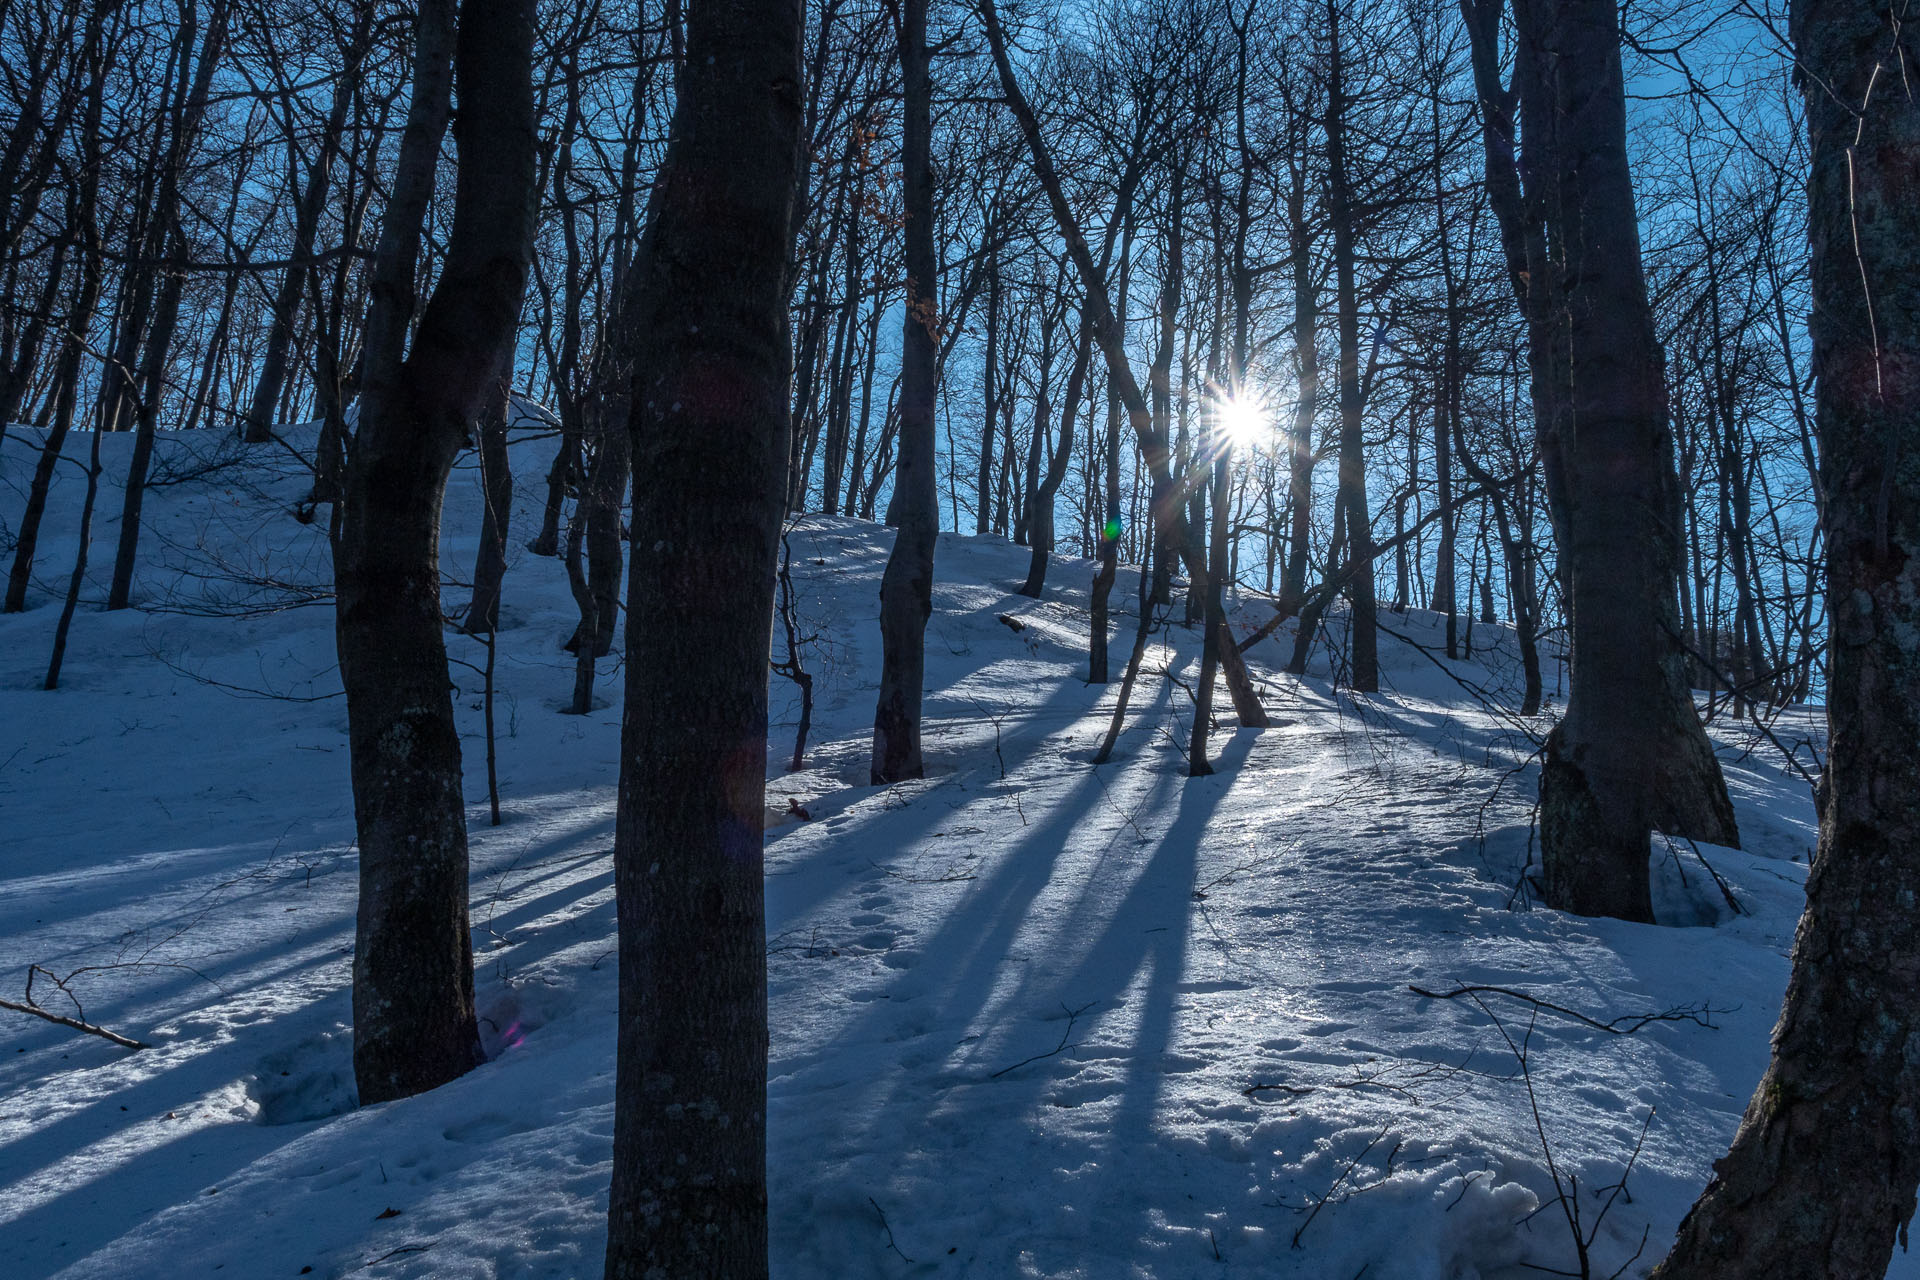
x=1624, y=1025
x=91, y=1029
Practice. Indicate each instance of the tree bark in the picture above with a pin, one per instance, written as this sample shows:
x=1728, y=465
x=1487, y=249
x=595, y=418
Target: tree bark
x=1821, y=1177
x=1630, y=756
x=79, y=320
x=906, y=588
x=414, y=1026
x=710, y=423
x=1040, y=521
x=149, y=387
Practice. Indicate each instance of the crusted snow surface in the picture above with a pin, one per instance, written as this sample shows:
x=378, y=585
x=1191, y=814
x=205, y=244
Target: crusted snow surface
x=1030, y=1016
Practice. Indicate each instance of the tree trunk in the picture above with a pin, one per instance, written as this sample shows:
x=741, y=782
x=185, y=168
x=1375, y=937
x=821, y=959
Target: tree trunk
x=1041, y=520
x=1821, y=1177
x=414, y=1024
x=496, y=489
x=78, y=322
x=1306, y=372
x=906, y=589
x=1363, y=632
x=150, y=384
x=1630, y=756
x=710, y=424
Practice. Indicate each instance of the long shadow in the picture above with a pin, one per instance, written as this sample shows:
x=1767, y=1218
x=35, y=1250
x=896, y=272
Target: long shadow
x=972, y=944
x=802, y=882
x=145, y=1100
x=965, y=951
x=1148, y=934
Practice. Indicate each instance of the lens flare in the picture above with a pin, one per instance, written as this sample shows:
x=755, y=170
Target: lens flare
x=1241, y=419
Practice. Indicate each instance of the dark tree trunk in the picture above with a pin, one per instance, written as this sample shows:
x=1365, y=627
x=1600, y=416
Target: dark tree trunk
x=710, y=421
x=1113, y=527
x=1630, y=756
x=414, y=1024
x=989, y=399
x=151, y=391
x=1363, y=632
x=64, y=626
x=906, y=589
x=1041, y=519
x=1306, y=367
x=1821, y=1177
x=16, y=374
x=496, y=491
x=560, y=477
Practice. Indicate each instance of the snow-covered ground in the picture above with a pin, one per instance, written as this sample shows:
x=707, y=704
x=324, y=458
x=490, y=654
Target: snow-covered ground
x=1030, y=1017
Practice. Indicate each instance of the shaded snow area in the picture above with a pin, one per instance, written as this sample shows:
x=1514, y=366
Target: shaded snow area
x=1030, y=1017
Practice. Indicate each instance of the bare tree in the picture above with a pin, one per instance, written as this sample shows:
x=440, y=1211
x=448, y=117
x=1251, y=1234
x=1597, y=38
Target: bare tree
x=906, y=589
x=712, y=353
x=414, y=1025
x=1822, y=1174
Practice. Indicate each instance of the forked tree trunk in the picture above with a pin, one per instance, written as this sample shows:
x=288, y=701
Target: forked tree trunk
x=906, y=589
x=1821, y=1177
x=414, y=1026
x=1630, y=756
x=710, y=423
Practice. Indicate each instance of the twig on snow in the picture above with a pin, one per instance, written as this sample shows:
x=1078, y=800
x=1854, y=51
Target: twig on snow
x=888, y=1229
x=1073, y=1016
x=1624, y=1025
x=77, y=1024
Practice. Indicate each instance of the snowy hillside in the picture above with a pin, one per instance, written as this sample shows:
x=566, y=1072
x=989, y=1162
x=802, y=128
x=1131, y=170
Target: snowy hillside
x=1030, y=1017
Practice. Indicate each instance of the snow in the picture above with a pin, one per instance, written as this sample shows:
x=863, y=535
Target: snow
x=1030, y=1017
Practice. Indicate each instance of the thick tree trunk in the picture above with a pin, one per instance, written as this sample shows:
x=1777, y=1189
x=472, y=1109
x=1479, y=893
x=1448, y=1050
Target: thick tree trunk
x=1630, y=756
x=906, y=589
x=414, y=1024
x=1821, y=1177
x=710, y=423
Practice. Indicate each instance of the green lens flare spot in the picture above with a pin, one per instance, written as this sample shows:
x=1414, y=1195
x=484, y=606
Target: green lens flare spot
x=1111, y=530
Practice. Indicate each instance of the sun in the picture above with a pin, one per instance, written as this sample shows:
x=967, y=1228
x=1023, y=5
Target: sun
x=1242, y=419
